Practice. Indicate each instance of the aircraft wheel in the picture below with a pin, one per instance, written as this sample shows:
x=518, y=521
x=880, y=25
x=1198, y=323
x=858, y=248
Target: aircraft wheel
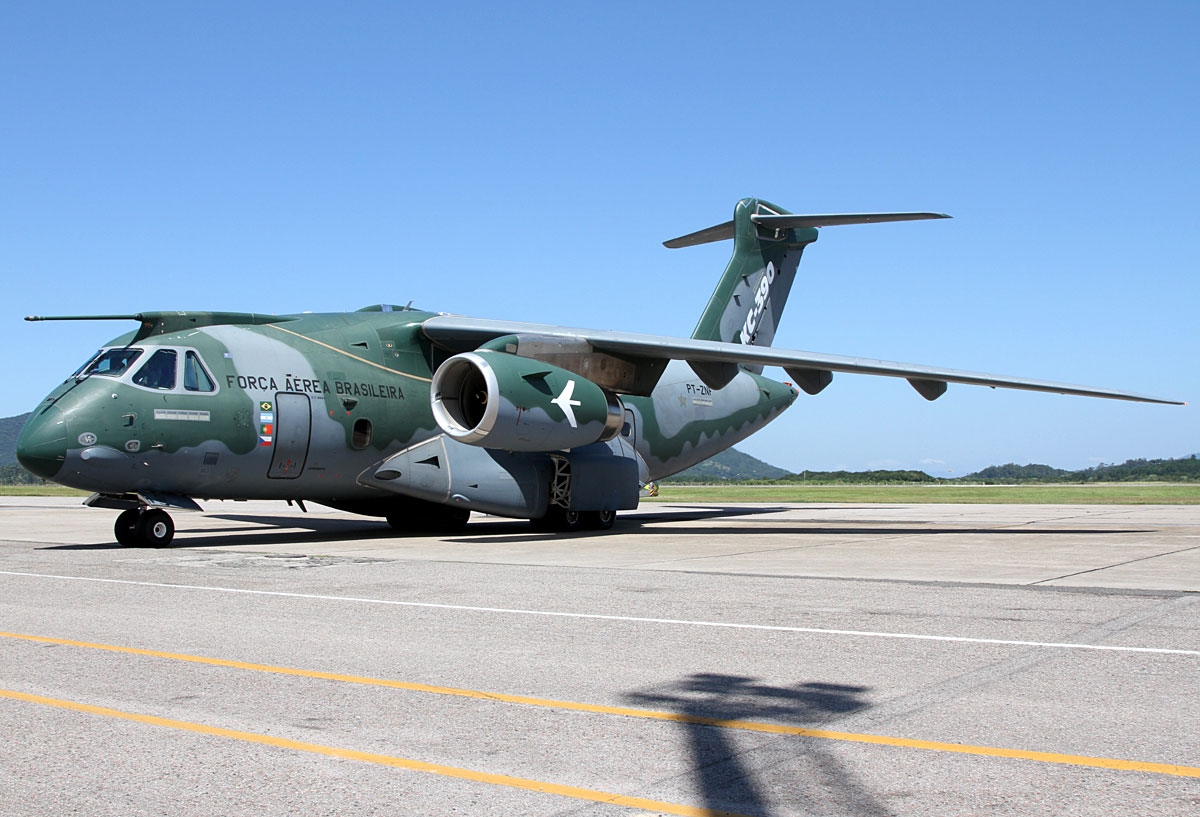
x=125, y=528
x=430, y=520
x=599, y=520
x=571, y=521
x=451, y=520
x=558, y=520
x=155, y=528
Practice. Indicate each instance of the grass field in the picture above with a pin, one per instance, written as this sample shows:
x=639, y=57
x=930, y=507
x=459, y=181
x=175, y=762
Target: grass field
x=40, y=490
x=1111, y=493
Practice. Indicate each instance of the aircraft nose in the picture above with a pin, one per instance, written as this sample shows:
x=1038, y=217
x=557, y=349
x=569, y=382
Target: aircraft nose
x=42, y=445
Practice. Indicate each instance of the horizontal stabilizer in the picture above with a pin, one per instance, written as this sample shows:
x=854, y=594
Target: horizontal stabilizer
x=837, y=220
x=721, y=232
x=725, y=231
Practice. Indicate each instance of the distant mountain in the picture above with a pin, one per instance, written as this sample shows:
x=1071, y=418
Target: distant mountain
x=729, y=465
x=1018, y=473
x=863, y=477
x=1183, y=469
x=10, y=428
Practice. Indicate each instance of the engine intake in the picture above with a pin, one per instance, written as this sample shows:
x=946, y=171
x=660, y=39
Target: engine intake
x=497, y=400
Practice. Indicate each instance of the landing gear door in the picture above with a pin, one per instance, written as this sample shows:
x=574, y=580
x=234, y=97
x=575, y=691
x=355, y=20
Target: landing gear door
x=293, y=424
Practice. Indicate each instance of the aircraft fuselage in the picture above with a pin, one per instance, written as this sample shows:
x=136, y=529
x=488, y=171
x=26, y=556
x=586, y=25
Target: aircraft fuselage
x=304, y=408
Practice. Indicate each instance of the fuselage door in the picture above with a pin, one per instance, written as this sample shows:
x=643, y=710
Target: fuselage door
x=293, y=425
x=629, y=429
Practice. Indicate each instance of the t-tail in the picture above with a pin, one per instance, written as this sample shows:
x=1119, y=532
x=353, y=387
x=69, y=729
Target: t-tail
x=748, y=302
x=686, y=424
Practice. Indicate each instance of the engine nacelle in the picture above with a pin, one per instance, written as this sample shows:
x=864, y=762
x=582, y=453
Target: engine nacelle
x=497, y=400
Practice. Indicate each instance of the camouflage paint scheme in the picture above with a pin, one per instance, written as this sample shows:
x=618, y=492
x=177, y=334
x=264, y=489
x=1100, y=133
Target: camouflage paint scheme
x=415, y=415
x=348, y=368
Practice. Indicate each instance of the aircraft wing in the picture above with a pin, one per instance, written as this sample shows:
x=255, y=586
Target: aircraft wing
x=716, y=363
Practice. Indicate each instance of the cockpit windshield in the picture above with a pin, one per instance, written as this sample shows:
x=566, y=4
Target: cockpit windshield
x=162, y=369
x=111, y=363
x=79, y=372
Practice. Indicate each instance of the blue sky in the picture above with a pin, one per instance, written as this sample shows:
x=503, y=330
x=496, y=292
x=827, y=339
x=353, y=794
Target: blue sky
x=527, y=162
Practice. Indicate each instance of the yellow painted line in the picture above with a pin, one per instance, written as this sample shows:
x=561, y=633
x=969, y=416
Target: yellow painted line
x=382, y=760
x=349, y=355
x=1172, y=769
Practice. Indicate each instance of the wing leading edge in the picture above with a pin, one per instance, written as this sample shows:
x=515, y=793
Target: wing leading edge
x=713, y=361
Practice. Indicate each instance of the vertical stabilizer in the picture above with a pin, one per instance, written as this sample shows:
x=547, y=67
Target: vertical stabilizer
x=748, y=302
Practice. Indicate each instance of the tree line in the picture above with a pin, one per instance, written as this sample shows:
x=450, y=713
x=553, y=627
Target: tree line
x=1184, y=469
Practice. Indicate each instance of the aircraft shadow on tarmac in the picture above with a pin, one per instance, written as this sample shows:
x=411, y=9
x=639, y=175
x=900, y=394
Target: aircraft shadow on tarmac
x=300, y=529
x=293, y=529
x=720, y=764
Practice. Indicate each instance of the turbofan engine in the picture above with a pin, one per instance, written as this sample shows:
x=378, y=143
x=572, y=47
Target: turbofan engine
x=497, y=400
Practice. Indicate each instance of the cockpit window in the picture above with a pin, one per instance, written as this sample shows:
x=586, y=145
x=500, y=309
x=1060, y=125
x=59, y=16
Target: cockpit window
x=194, y=376
x=113, y=363
x=159, y=371
x=88, y=362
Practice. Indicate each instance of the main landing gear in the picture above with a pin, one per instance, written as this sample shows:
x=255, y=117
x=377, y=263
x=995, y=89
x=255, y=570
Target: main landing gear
x=560, y=520
x=144, y=527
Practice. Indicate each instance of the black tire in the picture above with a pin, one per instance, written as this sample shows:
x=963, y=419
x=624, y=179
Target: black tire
x=431, y=519
x=125, y=528
x=155, y=528
x=558, y=520
x=599, y=520
x=542, y=524
x=452, y=520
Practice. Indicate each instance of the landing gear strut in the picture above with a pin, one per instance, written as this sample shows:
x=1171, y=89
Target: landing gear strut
x=144, y=527
x=558, y=517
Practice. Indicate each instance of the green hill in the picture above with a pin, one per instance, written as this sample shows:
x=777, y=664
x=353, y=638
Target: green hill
x=862, y=477
x=730, y=465
x=1017, y=473
x=1183, y=469
x=10, y=428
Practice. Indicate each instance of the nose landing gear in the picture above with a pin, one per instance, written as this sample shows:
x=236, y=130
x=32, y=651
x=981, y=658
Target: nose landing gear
x=144, y=527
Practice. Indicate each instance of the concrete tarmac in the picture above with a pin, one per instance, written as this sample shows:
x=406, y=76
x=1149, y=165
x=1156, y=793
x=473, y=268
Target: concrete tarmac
x=763, y=659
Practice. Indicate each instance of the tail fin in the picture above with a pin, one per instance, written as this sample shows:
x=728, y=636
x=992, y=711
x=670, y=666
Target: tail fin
x=749, y=299
x=767, y=244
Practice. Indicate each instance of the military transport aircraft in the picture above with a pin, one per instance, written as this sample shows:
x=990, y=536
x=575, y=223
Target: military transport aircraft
x=423, y=417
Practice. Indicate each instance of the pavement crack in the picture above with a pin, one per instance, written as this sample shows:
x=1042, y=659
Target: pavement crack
x=960, y=686
x=1113, y=565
